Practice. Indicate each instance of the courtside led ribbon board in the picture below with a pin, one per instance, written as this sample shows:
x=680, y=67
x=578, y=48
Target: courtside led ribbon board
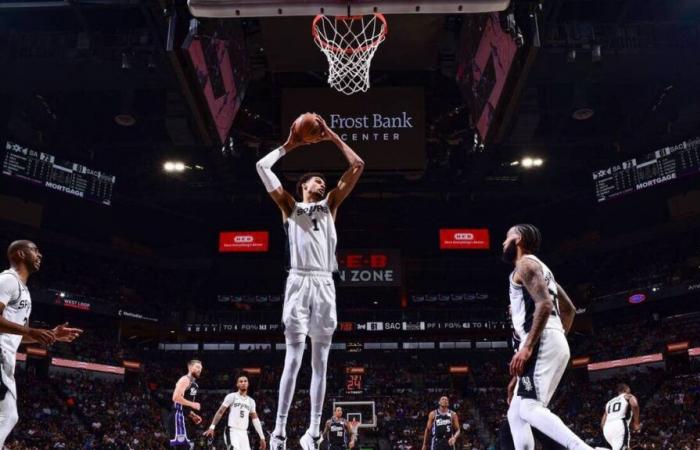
x=244, y=241
x=464, y=239
x=635, y=361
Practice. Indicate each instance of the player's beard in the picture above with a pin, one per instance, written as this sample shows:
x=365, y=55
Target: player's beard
x=509, y=253
x=33, y=265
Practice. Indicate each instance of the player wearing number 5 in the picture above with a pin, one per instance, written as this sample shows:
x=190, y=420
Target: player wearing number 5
x=616, y=419
x=309, y=300
x=241, y=408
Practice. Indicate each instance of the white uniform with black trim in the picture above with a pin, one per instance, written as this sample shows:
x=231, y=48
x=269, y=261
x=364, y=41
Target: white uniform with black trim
x=240, y=407
x=18, y=306
x=309, y=300
x=549, y=359
x=617, y=422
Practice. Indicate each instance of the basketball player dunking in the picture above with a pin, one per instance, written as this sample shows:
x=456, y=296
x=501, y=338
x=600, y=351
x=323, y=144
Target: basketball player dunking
x=616, y=419
x=541, y=312
x=309, y=297
x=241, y=409
x=15, y=308
x=442, y=428
x=340, y=433
x=184, y=406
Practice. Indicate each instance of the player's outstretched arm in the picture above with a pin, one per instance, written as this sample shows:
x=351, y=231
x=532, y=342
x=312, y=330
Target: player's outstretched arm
x=529, y=273
x=282, y=198
x=428, y=426
x=9, y=289
x=566, y=308
x=604, y=419
x=355, y=168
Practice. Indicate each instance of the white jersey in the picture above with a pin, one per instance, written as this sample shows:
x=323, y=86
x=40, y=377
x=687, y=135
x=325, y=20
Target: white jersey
x=18, y=306
x=522, y=306
x=311, y=237
x=240, y=407
x=618, y=409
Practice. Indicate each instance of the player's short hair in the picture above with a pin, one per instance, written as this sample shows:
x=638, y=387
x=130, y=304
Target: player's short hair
x=192, y=362
x=622, y=387
x=306, y=177
x=16, y=246
x=531, y=236
x=241, y=375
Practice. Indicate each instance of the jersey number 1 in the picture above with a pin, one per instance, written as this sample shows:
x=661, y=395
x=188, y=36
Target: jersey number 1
x=315, y=224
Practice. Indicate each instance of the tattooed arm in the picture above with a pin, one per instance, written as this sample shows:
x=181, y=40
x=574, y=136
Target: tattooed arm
x=529, y=274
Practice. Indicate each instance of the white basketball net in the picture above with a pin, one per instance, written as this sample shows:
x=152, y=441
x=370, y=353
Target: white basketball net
x=349, y=44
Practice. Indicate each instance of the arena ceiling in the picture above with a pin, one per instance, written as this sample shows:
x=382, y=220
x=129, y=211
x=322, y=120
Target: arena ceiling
x=70, y=66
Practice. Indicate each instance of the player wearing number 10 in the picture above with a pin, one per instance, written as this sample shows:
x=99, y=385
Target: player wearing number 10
x=309, y=301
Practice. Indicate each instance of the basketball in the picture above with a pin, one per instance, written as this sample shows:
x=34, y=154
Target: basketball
x=306, y=127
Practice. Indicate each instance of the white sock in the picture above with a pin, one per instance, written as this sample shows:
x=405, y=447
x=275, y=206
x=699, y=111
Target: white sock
x=519, y=429
x=319, y=364
x=292, y=363
x=8, y=416
x=534, y=413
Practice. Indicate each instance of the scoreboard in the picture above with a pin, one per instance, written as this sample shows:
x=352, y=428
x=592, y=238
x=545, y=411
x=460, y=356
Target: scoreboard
x=59, y=175
x=660, y=166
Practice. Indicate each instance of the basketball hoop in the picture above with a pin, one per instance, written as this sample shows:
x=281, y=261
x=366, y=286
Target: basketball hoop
x=349, y=43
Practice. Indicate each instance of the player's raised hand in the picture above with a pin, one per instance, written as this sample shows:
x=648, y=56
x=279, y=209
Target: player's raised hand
x=65, y=334
x=295, y=138
x=326, y=132
x=209, y=433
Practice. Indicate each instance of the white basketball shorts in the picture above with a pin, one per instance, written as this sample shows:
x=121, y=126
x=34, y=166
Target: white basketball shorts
x=546, y=366
x=309, y=306
x=617, y=433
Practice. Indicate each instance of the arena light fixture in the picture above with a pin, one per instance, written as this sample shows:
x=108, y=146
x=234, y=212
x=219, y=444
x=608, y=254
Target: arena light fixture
x=174, y=166
x=527, y=162
x=537, y=162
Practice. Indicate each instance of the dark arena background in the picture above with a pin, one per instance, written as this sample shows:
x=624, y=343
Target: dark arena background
x=129, y=136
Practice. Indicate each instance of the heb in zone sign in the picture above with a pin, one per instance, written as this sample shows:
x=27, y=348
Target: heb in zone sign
x=464, y=238
x=244, y=241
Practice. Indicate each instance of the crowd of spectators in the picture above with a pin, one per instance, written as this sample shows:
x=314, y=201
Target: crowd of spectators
x=79, y=412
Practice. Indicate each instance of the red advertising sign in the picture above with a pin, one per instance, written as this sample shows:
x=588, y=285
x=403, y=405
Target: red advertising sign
x=464, y=239
x=244, y=241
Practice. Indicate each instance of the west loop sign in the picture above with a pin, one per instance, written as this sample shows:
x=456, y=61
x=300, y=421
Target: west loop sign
x=369, y=267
